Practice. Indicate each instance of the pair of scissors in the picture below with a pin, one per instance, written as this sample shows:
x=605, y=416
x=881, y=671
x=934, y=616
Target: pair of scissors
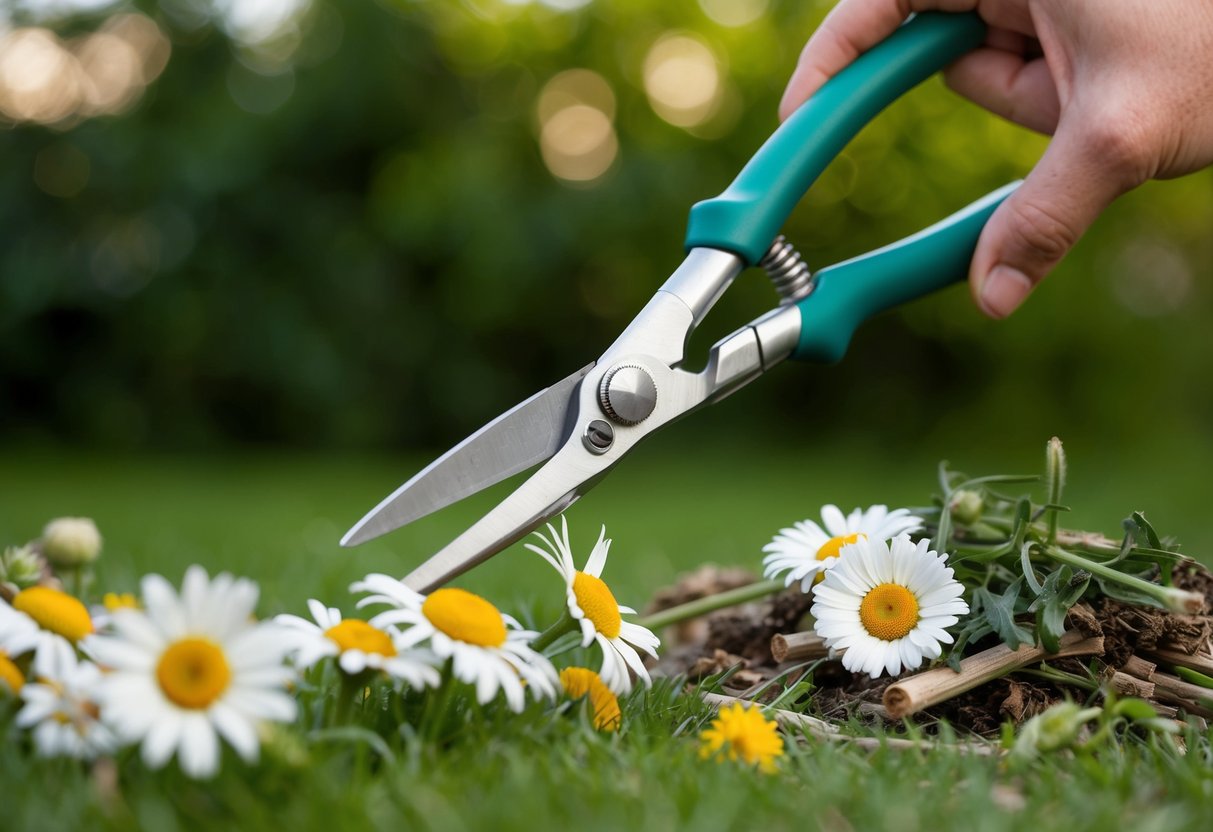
x=584, y=425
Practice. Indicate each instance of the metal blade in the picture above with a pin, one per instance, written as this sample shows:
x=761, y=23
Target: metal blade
x=549, y=491
x=513, y=442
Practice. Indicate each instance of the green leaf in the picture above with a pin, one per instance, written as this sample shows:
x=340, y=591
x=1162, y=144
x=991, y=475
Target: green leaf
x=999, y=612
x=1134, y=709
x=1148, y=537
x=1061, y=590
x=1130, y=596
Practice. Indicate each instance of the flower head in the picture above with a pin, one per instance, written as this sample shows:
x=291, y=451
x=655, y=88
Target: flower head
x=579, y=682
x=592, y=604
x=191, y=668
x=11, y=677
x=807, y=550
x=69, y=542
x=20, y=632
x=487, y=648
x=61, y=709
x=742, y=733
x=357, y=646
x=887, y=606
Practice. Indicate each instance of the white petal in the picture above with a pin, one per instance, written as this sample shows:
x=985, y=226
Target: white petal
x=236, y=729
x=162, y=739
x=199, y=750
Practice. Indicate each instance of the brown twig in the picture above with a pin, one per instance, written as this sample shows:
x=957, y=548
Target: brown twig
x=822, y=730
x=792, y=647
x=1192, y=698
x=1200, y=662
x=934, y=686
x=1127, y=685
x=1139, y=667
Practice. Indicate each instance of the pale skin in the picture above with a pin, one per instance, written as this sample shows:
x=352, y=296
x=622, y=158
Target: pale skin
x=1124, y=87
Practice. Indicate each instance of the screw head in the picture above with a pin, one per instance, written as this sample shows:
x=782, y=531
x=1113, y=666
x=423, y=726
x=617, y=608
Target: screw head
x=628, y=394
x=598, y=436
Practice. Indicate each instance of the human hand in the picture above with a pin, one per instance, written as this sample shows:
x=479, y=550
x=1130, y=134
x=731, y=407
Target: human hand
x=1125, y=87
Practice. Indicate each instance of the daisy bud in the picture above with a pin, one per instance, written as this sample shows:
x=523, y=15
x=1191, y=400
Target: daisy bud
x=966, y=506
x=1054, y=729
x=20, y=566
x=1055, y=469
x=69, y=542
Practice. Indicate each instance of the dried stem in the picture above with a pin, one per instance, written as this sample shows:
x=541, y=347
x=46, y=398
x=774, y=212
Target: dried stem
x=793, y=647
x=822, y=730
x=1201, y=662
x=1139, y=667
x=1127, y=685
x=934, y=686
x=1192, y=698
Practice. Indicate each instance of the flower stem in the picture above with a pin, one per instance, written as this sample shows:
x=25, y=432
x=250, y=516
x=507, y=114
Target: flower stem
x=565, y=624
x=349, y=689
x=1175, y=600
x=703, y=606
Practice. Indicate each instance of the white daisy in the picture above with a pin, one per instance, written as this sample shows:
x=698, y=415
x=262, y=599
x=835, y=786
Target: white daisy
x=357, y=646
x=806, y=551
x=594, y=607
x=61, y=708
x=487, y=648
x=887, y=607
x=45, y=622
x=188, y=669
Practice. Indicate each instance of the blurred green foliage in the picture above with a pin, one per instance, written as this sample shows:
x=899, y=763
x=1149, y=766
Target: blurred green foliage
x=360, y=245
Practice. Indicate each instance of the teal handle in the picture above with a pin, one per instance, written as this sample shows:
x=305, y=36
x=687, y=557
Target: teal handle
x=747, y=216
x=847, y=294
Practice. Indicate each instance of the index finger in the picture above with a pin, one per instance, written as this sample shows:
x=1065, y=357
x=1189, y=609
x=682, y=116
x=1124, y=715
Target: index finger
x=850, y=29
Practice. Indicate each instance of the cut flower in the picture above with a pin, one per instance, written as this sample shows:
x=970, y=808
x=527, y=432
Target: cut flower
x=62, y=710
x=806, y=550
x=887, y=605
x=593, y=606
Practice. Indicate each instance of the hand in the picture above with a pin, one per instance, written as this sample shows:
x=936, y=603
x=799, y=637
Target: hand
x=1125, y=87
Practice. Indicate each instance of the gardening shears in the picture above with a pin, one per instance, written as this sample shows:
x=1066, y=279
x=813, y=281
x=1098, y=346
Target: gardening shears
x=582, y=426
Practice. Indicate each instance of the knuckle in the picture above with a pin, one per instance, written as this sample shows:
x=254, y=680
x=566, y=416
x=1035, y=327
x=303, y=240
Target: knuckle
x=1039, y=230
x=1122, y=144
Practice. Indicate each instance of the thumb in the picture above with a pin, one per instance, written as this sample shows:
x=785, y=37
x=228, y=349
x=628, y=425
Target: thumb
x=1075, y=179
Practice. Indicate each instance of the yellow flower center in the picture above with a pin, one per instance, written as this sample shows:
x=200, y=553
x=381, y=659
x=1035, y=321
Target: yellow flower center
x=11, y=678
x=599, y=605
x=193, y=672
x=465, y=617
x=888, y=611
x=742, y=734
x=833, y=546
x=579, y=682
x=352, y=634
x=119, y=601
x=55, y=611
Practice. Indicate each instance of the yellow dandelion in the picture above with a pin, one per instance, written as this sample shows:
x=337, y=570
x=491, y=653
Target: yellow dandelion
x=119, y=601
x=741, y=733
x=11, y=677
x=581, y=682
x=55, y=611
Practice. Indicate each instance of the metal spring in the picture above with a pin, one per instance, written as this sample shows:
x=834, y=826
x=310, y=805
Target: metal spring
x=787, y=270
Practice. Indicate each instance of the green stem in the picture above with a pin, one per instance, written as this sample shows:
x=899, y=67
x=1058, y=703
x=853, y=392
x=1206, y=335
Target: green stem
x=349, y=689
x=1176, y=600
x=565, y=624
x=703, y=606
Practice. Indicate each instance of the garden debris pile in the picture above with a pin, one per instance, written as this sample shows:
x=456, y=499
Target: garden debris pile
x=1147, y=653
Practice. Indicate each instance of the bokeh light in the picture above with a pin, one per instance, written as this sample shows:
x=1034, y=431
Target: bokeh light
x=734, y=12
x=682, y=80
x=1151, y=278
x=576, y=111
x=47, y=80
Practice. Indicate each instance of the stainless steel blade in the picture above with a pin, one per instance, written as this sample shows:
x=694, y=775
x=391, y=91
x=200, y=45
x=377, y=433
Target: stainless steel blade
x=549, y=491
x=516, y=440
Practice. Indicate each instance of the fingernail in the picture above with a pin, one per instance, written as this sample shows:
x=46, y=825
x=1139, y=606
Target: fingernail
x=1004, y=290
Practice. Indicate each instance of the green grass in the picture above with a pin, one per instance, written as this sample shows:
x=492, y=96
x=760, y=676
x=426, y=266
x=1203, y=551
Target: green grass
x=276, y=518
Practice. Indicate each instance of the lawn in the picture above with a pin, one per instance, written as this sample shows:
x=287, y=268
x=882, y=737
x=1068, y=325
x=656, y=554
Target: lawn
x=276, y=518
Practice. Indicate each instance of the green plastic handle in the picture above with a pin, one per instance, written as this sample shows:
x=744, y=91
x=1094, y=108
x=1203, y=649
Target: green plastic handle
x=846, y=294
x=747, y=216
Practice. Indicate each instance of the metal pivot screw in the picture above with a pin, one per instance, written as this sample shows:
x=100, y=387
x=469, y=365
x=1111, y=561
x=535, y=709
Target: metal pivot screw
x=628, y=394
x=598, y=436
